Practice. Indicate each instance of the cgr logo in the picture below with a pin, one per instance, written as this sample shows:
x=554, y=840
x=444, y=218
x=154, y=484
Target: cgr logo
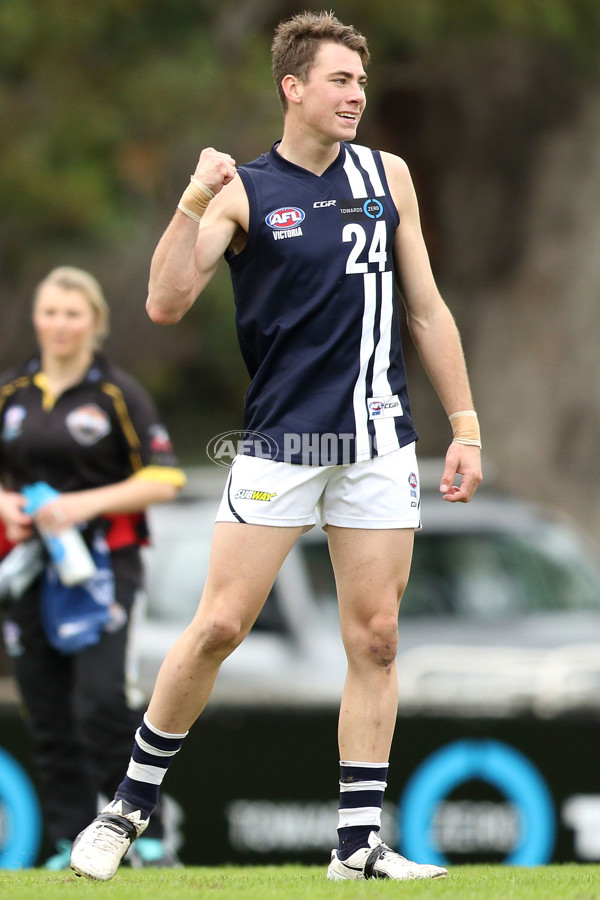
x=285, y=217
x=384, y=407
x=321, y=204
x=378, y=407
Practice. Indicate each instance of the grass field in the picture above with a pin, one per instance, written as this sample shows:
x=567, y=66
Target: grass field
x=567, y=882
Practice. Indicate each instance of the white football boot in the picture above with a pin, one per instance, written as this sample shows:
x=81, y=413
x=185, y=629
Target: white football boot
x=99, y=848
x=379, y=861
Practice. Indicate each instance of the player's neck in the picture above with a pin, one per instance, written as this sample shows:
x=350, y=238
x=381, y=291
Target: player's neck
x=313, y=155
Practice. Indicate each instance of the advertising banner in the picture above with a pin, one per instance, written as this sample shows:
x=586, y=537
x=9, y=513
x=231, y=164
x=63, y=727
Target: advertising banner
x=260, y=786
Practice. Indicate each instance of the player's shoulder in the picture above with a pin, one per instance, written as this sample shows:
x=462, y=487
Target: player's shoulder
x=395, y=168
x=399, y=180
x=395, y=165
x=258, y=164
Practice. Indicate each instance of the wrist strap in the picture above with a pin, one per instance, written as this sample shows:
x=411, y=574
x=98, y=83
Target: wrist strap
x=195, y=199
x=465, y=428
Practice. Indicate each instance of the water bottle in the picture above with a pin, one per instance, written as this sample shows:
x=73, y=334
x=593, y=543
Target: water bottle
x=68, y=551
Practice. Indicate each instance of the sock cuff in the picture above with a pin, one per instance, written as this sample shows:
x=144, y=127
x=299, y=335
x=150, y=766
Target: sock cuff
x=163, y=734
x=360, y=773
x=354, y=787
x=364, y=765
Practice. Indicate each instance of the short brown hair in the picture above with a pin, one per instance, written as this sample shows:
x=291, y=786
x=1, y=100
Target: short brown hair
x=297, y=41
x=72, y=279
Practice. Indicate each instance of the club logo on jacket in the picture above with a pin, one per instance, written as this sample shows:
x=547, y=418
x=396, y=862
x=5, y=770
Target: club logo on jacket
x=13, y=420
x=285, y=222
x=88, y=424
x=160, y=442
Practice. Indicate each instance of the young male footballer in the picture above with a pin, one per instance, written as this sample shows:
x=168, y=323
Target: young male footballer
x=321, y=235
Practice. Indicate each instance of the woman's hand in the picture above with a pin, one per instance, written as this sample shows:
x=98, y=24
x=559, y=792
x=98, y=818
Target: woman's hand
x=18, y=524
x=64, y=511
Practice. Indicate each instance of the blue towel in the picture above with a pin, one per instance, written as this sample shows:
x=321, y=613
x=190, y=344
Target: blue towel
x=75, y=617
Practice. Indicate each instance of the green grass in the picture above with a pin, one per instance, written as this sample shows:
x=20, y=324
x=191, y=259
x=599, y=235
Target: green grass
x=566, y=882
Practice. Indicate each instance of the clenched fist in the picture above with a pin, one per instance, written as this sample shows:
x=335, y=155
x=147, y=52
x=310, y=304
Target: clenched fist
x=215, y=169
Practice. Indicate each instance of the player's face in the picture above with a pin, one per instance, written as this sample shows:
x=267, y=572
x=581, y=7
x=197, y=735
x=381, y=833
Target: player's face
x=64, y=322
x=333, y=97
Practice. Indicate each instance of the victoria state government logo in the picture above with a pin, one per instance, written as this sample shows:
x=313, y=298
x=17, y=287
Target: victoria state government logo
x=223, y=448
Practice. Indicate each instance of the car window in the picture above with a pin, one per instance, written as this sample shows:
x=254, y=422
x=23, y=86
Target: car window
x=177, y=567
x=491, y=576
x=319, y=570
x=571, y=575
x=483, y=576
x=463, y=575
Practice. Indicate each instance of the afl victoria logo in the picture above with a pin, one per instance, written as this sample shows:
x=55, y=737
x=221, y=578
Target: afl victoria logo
x=285, y=217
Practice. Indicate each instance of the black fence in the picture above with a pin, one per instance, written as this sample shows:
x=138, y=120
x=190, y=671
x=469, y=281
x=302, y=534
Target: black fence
x=254, y=786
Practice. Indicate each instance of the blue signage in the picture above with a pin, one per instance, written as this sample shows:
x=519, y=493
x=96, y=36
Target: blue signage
x=498, y=764
x=20, y=817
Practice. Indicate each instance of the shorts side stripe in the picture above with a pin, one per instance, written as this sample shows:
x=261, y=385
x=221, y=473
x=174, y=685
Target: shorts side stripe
x=231, y=507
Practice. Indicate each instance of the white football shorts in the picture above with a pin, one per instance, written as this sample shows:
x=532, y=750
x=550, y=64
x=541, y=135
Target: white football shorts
x=383, y=492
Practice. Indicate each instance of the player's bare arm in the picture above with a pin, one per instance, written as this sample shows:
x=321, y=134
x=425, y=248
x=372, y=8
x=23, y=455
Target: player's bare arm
x=432, y=329
x=189, y=251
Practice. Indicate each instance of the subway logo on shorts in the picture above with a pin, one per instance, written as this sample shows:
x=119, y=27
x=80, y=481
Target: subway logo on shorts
x=246, y=494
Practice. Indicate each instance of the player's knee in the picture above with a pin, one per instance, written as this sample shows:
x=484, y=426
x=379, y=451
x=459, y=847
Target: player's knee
x=383, y=641
x=376, y=642
x=219, y=636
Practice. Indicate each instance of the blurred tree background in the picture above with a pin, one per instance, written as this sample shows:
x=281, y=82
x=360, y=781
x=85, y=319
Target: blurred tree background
x=495, y=105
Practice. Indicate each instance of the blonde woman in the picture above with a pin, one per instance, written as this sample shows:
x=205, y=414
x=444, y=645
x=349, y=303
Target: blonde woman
x=70, y=418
